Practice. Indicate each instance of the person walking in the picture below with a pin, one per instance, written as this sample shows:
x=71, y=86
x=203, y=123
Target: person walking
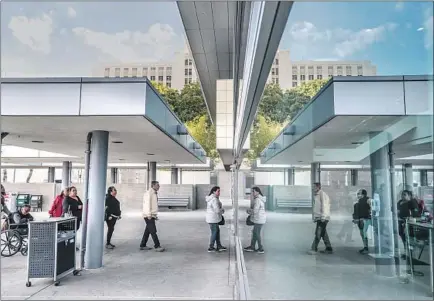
x=321, y=212
x=258, y=217
x=214, y=217
x=56, y=209
x=150, y=215
x=362, y=217
x=112, y=214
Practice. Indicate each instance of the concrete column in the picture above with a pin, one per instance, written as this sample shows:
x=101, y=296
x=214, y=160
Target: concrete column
x=385, y=232
x=51, y=174
x=290, y=176
x=180, y=176
x=213, y=178
x=152, y=173
x=354, y=173
x=97, y=189
x=423, y=173
x=175, y=176
x=114, y=175
x=315, y=177
x=407, y=176
x=250, y=180
x=66, y=174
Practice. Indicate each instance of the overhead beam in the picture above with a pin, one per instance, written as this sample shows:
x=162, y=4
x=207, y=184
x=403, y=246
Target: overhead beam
x=267, y=24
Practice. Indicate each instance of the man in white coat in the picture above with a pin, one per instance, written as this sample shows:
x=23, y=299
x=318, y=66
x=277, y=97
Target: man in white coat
x=321, y=213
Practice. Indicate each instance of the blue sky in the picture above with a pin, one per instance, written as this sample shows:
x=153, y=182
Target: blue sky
x=72, y=39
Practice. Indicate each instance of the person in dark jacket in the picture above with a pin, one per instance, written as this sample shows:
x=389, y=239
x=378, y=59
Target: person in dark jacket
x=73, y=205
x=112, y=214
x=407, y=207
x=362, y=217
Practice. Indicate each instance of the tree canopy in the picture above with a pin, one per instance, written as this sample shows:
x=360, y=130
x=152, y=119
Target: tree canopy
x=263, y=131
x=204, y=133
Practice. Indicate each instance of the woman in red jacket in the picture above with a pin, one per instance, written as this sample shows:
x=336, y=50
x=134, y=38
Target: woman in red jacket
x=57, y=209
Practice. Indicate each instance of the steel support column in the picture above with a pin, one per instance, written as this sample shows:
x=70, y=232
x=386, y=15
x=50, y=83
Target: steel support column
x=96, y=205
x=51, y=174
x=152, y=173
x=315, y=177
x=354, y=174
x=114, y=175
x=423, y=174
x=290, y=176
x=175, y=178
x=407, y=176
x=66, y=174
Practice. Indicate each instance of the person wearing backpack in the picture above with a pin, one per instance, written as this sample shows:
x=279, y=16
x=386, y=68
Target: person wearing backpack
x=258, y=218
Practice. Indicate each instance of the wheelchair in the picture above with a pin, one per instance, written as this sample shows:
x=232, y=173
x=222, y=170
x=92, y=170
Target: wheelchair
x=13, y=238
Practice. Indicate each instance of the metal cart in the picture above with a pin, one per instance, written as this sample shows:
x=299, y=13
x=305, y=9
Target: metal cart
x=36, y=202
x=51, y=249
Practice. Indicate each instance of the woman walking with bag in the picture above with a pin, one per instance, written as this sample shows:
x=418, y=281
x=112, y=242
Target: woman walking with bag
x=257, y=216
x=214, y=217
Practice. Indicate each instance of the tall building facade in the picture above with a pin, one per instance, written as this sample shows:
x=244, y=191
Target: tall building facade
x=288, y=74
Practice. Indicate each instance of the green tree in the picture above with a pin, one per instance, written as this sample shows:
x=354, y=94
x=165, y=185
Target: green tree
x=204, y=133
x=170, y=95
x=311, y=88
x=263, y=132
x=191, y=103
x=271, y=102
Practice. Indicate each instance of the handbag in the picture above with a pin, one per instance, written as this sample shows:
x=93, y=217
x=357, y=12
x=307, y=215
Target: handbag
x=249, y=221
x=222, y=222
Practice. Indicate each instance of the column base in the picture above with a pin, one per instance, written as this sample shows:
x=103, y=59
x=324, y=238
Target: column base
x=384, y=265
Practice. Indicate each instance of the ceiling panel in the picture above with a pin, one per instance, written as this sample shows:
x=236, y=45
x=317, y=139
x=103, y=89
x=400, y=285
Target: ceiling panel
x=195, y=41
x=200, y=62
x=224, y=74
x=220, y=15
x=188, y=15
x=222, y=40
x=223, y=60
x=211, y=60
x=208, y=40
x=204, y=14
x=232, y=5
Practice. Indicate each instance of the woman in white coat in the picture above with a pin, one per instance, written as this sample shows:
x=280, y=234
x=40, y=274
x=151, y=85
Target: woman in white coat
x=258, y=217
x=214, y=217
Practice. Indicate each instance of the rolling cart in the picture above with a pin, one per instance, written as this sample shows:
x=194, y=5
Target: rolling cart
x=51, y=249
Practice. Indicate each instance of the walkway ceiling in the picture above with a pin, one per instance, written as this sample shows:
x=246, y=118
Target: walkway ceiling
x=351, y=118
x=142, y=128
x=209, y=27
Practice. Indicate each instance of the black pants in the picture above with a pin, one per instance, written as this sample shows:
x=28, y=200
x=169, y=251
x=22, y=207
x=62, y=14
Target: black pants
x=256, y=236
x=151, y=229
x=321, y=233
x=110, y=228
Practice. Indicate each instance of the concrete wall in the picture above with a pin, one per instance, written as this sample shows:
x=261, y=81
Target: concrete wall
x=202, y=191
x=46, y=189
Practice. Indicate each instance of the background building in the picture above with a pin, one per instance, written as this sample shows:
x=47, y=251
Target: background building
x=288, y=74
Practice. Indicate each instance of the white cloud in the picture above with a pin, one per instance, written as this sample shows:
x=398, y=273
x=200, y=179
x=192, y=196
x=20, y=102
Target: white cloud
x=127, y=46
x=71, y=12
x=33, y=32
x=420, y=29
x=399, y=6
x=343, y=42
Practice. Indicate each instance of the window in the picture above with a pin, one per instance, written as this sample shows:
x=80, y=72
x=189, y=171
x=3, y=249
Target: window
x=145, y=72
x=152, y=68
x=160, y=68
x=126, y=71
x=310, y=76
x=276, y=61
x=161, y=78
x=348, y=70
x=294, y=84
x=169, y=85
x=152, y=77
x=294, y=69
x=302, y=69
x=330, y=70
x=189, y=80
x=134, y=72
x=190, y=62
x=118, y=72
x=359, y=70
x=303, y=77
x=186, y=62
x=107, y=72
x=186, y=81
x=277, y=71
x=169, y=69
x=190, y=72
x=319, y=69
x=294, y=77
x=310, y=69
x=168, y=78
x=273, y=72
x=339, y=69
x=275, y=80
x=319, y=76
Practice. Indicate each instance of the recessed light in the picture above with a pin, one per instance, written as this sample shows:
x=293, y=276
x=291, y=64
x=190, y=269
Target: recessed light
x=37, y=141
x=149, y=154
x=121, y=159
x=356, y=143
x=300, y=161
x=167, y=160
x=117, y=142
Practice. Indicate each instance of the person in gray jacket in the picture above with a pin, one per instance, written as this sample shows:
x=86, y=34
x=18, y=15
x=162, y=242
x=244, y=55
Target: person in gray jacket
x=214, y=216
x=258, y=217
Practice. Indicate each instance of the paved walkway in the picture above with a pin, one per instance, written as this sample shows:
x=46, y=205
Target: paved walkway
x=184, y=271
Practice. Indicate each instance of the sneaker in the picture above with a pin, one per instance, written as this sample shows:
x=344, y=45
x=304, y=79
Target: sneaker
x=364, y=251
x=211, y=249
x=221, y=249
x=145, y=248
x=159, y=249
x=327, y=251
x=249, y=249
x=109, y=246
x=312, y=252
x=260, y=251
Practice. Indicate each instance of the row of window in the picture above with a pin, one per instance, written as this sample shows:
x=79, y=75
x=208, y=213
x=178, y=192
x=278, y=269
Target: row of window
x=134, y=71
x=188, y=62
x=330, y=69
